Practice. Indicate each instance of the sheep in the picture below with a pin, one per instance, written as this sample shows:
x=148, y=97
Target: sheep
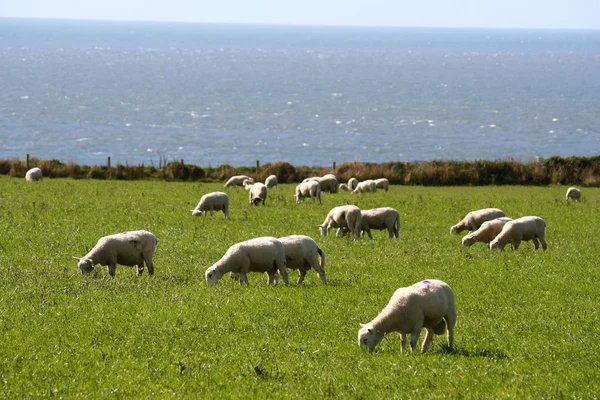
x=368, y=186
x=473, y=220
x=524, y=228
x=352, y=183
x=344, y=187
x=329, y=182
x=427, y=304
x=127, y=248
x=262, y=254
x=382, y=183
x=381, y=218
x=271, y=181
x=258, y=193
x=308, y=188
x=574, y=194
x=302, y=253
x=340, y=217
x=237, y=180
x=34, y=174
x=215, y=201
x=486, y=232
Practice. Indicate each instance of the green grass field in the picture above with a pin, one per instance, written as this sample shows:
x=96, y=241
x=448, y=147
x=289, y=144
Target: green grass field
x=528, y=324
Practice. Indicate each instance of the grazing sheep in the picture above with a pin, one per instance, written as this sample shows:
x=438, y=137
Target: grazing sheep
x=127, y=248
x=524, y=228
x=352, y=183
x=302, y=253
x=215, y=201
x=382, y=183
x=368, y=186
x=344, y=187
x=237, y=180
x=34, y=174
x=574, y=194
x=258, y=193
x=340, y=217
x=473, y=220
x=328, y=182
x=486, y=232
x=309, y=188
x=262, y=254
x=427, y=304
x=381, y=218
x=271, y=181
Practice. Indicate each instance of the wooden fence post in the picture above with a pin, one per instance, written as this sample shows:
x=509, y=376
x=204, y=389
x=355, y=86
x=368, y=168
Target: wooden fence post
x=108, y=163
x=257, y=165
x=27, y=162
x=333, y=167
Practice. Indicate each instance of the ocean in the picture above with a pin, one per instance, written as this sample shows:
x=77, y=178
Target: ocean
x=213, y=94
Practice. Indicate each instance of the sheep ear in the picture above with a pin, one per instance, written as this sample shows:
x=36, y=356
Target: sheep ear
x=362, y=325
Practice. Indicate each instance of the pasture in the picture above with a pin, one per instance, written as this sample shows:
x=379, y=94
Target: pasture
x=528, y=321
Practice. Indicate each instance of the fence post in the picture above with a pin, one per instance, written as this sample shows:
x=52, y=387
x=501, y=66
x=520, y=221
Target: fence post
x=27, y=162
x=257, y=165
x=108, y=163
x=333, y=167
x=182, y=164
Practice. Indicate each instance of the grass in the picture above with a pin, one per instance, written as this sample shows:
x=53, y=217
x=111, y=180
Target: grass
x=528, y=322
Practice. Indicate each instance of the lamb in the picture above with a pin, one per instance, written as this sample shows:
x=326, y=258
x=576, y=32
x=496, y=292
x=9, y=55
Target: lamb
x=340, y=217
x=381, y=218
x=302, y=253
x=237, y=180
x=34, y=174
x=344, y=187
x=258, y=193
x=127, y=248
x=486, y=232
x=262, y=254
x=473, y=220
x=352, y=183
x=271, y=181
x=382, y=183
x=215, y=201
x=574, y=194
x=524, y=228
x=368, y=186
x=309, y=188
x=427, y=304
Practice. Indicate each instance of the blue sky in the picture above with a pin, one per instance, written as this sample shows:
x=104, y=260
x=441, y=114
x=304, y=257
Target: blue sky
x=559, y=14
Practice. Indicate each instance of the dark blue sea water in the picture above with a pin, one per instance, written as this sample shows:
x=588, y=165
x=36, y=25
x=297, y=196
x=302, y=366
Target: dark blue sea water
x=82, y=91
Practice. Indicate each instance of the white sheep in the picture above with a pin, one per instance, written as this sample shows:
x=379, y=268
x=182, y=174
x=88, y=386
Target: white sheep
x=473, y=220
x=258, y=193
x=237, y=180
x=302, y=253
x=382, y=183
x=340, y=217
x=381, y=218
x=271, y=181
x=327, y=182
x=262, y=254
x=486, y=232
x=34, y=174
x=427, y=304
x=352, y=183
x=344, y=187
x=127, y=248
x=308, y=188
x=368, y=186
x=524, y=228
x=573, y=193
x=215, y=201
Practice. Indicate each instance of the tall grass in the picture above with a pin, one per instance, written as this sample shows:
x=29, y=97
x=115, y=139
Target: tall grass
x=528, y=322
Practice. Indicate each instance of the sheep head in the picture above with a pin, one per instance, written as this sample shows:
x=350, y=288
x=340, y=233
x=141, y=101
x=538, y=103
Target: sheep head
x=369, y=337
x=86, y=265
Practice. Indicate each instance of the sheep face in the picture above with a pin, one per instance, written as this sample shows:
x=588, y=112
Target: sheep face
x=454, y=229
x=468, y=240
x=197, y=213
x=369, y=337
x=212, y=275
x=495, y=245
x=85, y=265
x=323, y=230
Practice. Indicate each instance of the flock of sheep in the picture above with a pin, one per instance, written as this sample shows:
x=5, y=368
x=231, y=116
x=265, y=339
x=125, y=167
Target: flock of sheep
x=428, y=304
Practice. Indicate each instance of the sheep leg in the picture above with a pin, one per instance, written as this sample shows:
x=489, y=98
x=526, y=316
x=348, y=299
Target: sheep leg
x=150, y=267
x=340, y=232
x=140, y=269
x=427, y=340
x=543, y=240
x=284, y=274
x=403, y=341
x=212, y=207
x=244, y=279
x=368, y=233
x=273, y=277
x=301, y=277
x=516, y=244
x=112, y=267
x=414, y=338
x=535, y=243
